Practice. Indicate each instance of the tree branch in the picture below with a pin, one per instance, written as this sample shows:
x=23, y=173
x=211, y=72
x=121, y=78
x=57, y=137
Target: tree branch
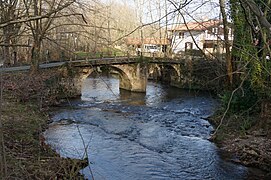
x=259, y=13
x=38, y=17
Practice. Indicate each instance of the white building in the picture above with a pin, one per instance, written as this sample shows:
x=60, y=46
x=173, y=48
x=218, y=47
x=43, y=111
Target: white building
x=207, y=36
x=148, y=46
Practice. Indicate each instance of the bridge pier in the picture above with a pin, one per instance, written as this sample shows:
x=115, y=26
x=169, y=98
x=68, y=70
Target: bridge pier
x=133, y=77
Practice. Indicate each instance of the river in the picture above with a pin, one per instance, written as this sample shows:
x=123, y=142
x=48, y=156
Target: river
x=135, y=136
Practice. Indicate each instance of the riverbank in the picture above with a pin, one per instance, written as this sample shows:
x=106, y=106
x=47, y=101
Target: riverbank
x=245, y=140
x=24, y=115
x=24, y=118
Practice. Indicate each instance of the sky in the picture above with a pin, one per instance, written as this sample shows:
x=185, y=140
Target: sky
x=152, y=10
x=197, y=9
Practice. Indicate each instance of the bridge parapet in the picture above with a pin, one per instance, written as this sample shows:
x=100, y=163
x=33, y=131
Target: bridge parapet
x=103, y=61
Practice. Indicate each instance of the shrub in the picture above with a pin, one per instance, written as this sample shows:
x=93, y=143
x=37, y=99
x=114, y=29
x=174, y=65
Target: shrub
x=243, y=99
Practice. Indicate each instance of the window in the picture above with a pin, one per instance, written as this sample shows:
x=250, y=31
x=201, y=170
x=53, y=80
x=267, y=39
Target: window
x=151, y=48
x=164, y=48
x=215, y=30
x=181, y=35
x=188, y=45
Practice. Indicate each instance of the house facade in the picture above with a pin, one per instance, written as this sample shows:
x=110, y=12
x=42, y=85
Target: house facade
x=207, y=36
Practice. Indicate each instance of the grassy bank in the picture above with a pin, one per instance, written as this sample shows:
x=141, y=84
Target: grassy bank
x=24, y=118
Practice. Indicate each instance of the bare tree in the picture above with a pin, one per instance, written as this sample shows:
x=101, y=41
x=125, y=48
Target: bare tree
x=10, y=10
x=51, y=10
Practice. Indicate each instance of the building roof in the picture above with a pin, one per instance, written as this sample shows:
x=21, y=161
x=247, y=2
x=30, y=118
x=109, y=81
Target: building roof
x=197, y=26
x=154, y=41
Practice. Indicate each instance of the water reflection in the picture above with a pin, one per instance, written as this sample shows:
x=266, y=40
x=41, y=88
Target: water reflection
x=94, y=89
x=132, y=98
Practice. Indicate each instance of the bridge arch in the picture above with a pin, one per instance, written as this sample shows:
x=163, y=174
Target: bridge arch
x=124, y=80
x=170, y=73
x=132, y=77
x=154, y=72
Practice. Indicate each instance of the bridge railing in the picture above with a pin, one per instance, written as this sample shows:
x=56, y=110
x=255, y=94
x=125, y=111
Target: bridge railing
x=101, y=54
x=80, y=55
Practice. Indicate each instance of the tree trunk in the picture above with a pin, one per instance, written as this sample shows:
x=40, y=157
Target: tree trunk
x=15, y=56
x=35, y=57
x=227, y=43
x=6, y=48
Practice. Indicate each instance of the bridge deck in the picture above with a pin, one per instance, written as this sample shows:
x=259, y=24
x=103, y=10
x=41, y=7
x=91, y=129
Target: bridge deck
x=95, y=62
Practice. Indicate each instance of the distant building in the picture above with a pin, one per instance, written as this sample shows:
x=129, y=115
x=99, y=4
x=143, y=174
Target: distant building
x=207, y=36
x=148, y=45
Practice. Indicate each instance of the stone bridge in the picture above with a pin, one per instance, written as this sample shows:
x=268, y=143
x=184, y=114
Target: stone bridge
x=187, y=72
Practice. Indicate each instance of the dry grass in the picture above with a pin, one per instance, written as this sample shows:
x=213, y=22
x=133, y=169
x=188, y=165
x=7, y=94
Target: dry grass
x=27, y=155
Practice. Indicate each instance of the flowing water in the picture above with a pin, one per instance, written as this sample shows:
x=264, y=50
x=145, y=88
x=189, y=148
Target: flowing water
x=135, y=136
